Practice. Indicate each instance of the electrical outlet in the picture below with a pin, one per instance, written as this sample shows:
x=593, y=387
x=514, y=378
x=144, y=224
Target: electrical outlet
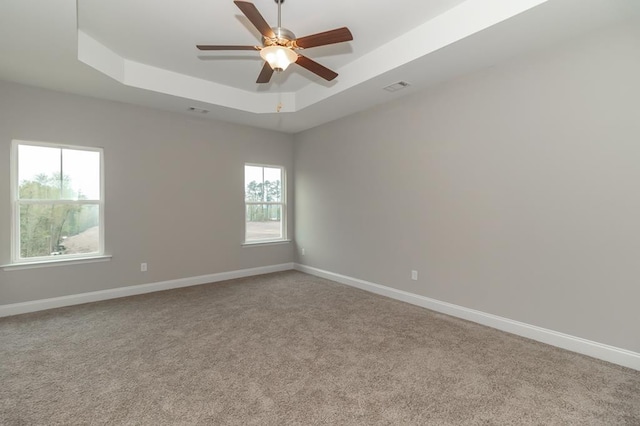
x=303, y=252
x=143, y=267
x=414, y=275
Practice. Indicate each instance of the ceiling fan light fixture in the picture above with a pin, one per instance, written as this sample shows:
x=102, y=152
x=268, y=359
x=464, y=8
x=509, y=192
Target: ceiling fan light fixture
x=278, y=57
x=279, y=45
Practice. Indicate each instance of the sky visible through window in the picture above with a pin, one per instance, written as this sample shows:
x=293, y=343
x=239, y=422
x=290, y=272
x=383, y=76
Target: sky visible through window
x=82, y=167
x=255, y=173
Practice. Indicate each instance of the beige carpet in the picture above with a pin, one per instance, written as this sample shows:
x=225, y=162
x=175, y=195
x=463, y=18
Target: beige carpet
x=290, y=348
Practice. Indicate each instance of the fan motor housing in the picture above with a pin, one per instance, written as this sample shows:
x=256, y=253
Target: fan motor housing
x=283, y=37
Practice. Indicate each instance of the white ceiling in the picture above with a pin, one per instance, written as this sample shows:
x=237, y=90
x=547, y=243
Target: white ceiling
x=143, y=51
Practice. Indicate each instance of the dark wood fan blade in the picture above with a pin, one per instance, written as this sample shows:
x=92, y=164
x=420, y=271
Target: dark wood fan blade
x=213, y=47
x=316, y=68
x=251, y=12
x=338, y=35
x=265, y=74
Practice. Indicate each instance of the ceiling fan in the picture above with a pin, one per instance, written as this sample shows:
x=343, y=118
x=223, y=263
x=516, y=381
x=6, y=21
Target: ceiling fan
x=279, y=44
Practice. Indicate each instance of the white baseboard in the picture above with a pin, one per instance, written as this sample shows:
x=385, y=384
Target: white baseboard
x=114, y=293
x=565, y=341
x=602, y=351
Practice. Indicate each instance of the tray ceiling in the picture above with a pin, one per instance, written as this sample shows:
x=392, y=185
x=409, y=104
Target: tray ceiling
x=143, y=51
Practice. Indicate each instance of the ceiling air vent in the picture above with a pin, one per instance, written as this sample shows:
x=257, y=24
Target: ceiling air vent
x=200, y=110
x=396, y=86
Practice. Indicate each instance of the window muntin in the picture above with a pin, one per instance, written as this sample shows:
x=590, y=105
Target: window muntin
x=265, y=208
x=58, y=202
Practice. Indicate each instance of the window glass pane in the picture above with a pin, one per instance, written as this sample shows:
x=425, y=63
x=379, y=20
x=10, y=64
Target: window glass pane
x=263, y=184
x=253, y=188
x=263, y=222
x=39, y=172
x=81, y=171
x=272, y=184
x=51, y=230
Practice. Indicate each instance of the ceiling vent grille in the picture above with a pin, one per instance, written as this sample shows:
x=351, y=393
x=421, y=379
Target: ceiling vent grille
x=396, y=86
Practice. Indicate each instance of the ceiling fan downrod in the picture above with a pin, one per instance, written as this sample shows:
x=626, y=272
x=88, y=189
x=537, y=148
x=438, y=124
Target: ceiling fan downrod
x=283, y=36
x=279, y=12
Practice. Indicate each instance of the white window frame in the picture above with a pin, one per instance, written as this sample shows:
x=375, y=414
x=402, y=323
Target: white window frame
x=18, y=261
x=282, y=203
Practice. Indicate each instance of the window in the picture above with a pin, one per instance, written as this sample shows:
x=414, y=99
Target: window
x=58, y=202
x=264, y=195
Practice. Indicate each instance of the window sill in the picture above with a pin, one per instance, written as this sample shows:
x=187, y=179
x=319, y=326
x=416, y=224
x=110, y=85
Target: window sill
x=265, y=243
x=56, y=262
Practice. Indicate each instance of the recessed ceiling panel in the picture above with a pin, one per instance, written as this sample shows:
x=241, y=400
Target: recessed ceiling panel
x=164, y=33
x=143, y=52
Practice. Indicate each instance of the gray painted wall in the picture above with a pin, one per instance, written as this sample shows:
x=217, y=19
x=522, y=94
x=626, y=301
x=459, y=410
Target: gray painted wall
x=174, y=191
x=513, y=191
